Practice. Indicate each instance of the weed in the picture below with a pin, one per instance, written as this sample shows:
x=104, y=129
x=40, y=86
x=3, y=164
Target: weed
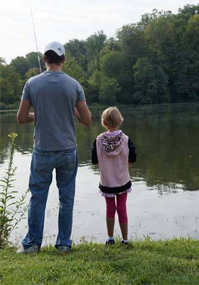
x=11, y=209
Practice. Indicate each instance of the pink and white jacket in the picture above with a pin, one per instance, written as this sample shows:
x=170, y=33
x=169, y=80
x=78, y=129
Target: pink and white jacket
x=112, y=150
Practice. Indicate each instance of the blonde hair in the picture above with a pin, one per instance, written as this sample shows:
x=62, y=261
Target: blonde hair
x=111, y=118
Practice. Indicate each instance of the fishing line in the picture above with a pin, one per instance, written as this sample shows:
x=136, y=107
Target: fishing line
x=35, y=38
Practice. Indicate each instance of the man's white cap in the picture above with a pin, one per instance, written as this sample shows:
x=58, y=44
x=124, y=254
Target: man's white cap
x=56, y=47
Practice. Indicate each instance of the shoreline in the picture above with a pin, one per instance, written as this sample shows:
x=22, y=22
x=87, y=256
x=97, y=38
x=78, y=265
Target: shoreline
x=97, y=105
x=8, y=111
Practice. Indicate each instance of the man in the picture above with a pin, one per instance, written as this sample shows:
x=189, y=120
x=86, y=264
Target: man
x=56, y=98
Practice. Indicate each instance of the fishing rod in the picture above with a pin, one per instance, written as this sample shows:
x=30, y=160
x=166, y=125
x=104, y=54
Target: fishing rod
x=40, y=69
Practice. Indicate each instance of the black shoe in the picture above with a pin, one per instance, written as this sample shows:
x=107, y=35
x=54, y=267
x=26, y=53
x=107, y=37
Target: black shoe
x=32, y=249
x=124, y=242
x=110, y=242
x=64, y=249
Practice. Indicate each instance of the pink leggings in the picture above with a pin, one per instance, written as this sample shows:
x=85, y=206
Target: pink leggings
x=111, y=207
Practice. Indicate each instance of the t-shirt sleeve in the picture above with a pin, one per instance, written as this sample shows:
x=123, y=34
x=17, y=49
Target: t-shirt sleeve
x=80, y=93
x=26, y=92
x=132, y=151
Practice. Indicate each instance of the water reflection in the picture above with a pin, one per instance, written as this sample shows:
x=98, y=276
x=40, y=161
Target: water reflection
x=166, y=138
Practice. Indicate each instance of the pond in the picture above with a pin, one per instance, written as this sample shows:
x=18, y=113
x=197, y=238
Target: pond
x=165, y=179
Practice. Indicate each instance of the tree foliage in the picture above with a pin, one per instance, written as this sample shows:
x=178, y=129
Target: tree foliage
x=10, y=84
x=153, y=61
x=72, y=68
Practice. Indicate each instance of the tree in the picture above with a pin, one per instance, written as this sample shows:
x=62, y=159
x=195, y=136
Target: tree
x=109, y=89
x=32, y=59
x=192, y=31
x=188, y=10
x=112, y=63
x=2, y=61
x=93, y=88
x=132, y=42
x=77, y=50
x=10, y=84
x=72, y=68
x=21, y=65
x=150, y=83
x=94, y=45
x=32, y=72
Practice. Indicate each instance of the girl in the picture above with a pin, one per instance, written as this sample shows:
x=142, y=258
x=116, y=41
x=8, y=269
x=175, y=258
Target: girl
x=112, y=151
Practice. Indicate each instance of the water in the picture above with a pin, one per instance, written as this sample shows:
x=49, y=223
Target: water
x=165, y=178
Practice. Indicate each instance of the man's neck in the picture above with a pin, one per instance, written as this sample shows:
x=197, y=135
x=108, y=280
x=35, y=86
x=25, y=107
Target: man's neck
x=53, y=67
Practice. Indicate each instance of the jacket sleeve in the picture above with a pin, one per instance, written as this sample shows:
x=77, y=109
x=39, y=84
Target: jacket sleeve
x=94, y=153
x=132, y=152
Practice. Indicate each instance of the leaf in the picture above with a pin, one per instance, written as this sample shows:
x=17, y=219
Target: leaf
x=4, y=180
x=10, y=197
x=11, y=204
x=4, y=193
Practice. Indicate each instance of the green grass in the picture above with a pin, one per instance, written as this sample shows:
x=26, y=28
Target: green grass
x=143, y=262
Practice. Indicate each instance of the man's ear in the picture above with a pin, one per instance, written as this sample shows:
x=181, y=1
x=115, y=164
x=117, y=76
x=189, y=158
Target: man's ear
x=63, y=61
x=44, y=58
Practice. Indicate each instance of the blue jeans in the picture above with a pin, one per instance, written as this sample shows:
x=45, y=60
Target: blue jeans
x=42, y=165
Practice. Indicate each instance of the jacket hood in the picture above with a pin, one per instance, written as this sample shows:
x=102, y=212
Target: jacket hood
x=111, y=142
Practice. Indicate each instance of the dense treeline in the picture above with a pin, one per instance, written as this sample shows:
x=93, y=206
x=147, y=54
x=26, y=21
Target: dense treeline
x=153, y=61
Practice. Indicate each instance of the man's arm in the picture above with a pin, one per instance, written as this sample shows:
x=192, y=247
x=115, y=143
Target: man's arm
x=82, y=113
x=23, y=115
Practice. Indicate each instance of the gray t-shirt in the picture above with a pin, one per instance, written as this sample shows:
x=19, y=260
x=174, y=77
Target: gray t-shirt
x=53, y=96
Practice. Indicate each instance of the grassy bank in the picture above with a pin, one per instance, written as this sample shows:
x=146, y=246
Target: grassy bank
x=143, y=262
